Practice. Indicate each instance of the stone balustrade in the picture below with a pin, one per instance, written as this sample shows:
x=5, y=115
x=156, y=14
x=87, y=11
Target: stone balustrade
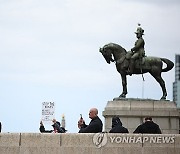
x=100, y=143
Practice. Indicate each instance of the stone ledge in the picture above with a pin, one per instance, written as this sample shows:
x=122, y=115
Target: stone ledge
x=13, y=139
x=140, y=113
x=144, y=104
x=89, y=143
x=34, y=139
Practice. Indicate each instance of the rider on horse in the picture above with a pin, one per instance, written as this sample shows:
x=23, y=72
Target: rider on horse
x=138, y=50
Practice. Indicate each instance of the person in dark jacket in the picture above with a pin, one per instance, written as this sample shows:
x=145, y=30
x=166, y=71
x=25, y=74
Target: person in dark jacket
x=148, y=127
x=56, y=128
x=117, y=126
x=95, y=126
x=0, y=127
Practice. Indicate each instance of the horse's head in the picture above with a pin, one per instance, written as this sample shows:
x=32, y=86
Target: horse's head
x=107, y=53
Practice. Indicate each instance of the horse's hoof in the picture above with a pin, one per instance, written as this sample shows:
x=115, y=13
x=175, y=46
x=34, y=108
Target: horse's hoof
x=119, y=98
x=122, y=96
x=163, y=98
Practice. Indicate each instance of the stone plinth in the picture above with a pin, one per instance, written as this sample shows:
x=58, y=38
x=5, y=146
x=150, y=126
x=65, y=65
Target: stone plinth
x=133, y=111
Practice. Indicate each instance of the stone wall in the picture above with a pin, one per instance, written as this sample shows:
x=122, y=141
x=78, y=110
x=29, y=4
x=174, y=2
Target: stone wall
x=101, y=143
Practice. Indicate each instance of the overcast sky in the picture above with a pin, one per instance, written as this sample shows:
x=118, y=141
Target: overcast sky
x=49, y=51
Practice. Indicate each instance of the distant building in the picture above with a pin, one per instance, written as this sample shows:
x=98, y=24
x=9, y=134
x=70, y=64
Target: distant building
x=176, y=83
x=63, y=122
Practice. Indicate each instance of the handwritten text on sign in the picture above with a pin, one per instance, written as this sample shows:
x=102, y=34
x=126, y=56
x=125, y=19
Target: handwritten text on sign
x=48, y=111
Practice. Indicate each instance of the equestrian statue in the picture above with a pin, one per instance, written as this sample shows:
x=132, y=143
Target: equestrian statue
x=136, y=62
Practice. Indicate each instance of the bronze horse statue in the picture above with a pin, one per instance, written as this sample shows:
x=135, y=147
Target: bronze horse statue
x=121, y=57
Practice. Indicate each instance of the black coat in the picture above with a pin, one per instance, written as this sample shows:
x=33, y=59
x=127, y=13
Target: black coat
x=117, y=126
x=149, y=127
x=95, y=126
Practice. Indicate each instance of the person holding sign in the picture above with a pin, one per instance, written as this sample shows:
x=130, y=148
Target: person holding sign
x=56, y=127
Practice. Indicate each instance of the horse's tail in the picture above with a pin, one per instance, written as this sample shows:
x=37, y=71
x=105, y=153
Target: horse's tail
x=169, y=63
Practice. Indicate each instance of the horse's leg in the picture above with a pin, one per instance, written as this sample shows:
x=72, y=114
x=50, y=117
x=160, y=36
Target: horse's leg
x=124, y=84
x=159, y=79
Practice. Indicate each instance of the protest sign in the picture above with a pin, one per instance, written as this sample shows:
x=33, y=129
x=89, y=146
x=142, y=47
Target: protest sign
x=48, y=111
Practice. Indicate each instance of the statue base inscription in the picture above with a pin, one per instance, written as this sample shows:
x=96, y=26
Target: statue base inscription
x=133, y=111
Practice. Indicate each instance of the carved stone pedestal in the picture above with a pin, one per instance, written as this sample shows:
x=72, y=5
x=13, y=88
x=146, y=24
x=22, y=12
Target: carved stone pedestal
x=133, y=111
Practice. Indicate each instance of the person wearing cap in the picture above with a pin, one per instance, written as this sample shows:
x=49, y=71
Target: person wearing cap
x=138, y=50
x=95, y=126
x=56, y=128
x=117, y=126
x=148, y=127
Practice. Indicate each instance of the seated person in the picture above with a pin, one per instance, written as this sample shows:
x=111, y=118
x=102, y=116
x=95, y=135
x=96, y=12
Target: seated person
x=95, y=126
x=148, y=127
x=117, y=126
x=56, y=128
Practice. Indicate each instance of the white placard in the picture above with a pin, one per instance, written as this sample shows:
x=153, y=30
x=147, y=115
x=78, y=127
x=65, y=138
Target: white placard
x=48, y=111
